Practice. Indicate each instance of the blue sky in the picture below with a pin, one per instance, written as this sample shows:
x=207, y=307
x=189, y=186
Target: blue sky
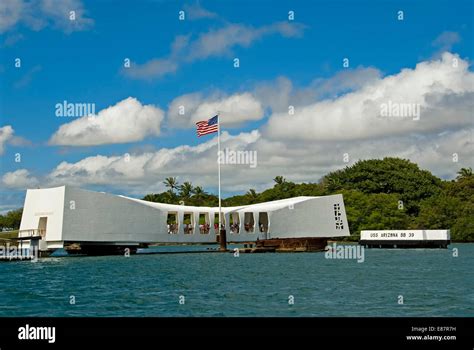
x=82, y=62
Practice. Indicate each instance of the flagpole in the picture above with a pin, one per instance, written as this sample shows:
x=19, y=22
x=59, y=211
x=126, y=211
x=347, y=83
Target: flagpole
x=219, y=165
x=222, y=233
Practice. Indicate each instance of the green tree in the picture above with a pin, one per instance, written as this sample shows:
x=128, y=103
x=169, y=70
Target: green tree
x=452, y=209
x=252, y=196
x=150, y=197
x=171, y=183
x=11, y=219
x=199, y=196
x=252, y=193
x=375, y=211
x=279, y=180
x=389, y=175
x=186, y=190
x=199, y=192
x=463, y=173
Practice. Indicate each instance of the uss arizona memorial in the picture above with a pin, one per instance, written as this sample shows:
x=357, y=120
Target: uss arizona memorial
x=98, y=222
x=55, y=217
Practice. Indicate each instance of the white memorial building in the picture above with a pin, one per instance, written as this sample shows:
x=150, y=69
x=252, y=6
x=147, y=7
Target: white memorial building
x=53, y=217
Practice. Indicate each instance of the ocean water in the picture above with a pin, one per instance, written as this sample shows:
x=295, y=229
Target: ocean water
x=431, y=282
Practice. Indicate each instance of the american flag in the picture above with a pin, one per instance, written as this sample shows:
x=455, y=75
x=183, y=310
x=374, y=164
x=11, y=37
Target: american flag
x=207, y=126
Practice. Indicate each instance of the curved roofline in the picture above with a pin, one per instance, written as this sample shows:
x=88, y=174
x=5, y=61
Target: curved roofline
x=265, y=206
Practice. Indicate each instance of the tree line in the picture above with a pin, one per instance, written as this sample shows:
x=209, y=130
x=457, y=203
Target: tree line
x=11, y=220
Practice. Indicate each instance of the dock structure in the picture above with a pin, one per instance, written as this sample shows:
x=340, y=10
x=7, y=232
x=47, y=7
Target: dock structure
x=405, y=238
x=291, y=245
x=101, y=223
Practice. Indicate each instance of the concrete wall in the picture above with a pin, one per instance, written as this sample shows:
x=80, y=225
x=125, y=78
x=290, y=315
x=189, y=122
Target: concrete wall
x=100, y=217
x=47, y=203
x=312, y=218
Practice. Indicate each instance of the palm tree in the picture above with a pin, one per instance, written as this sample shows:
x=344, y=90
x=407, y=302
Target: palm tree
x=149, y=198
x=464, y=173
x=252, y=193
x=172, y=183
x=186, y=189
x=170, y=196
x=279, y=180
x=199, y=192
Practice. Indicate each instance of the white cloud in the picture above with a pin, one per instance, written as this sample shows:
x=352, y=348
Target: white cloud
x=159, y=67
x=38, y=14
x=446, y=40
x=10, y=13
x=12, y=39
x=146, y=170
x=6, y=135
x=443, y=88
x=196, y=11
x=214, y=43
x=127, y=121
x=234, y=109
x=301, y=152
x=20, y=179
x=152, y=69
x=445, y=153
x=58, y=13
x=280, y=93
x=26, y=79
x=299, y=161
x=218, y=42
